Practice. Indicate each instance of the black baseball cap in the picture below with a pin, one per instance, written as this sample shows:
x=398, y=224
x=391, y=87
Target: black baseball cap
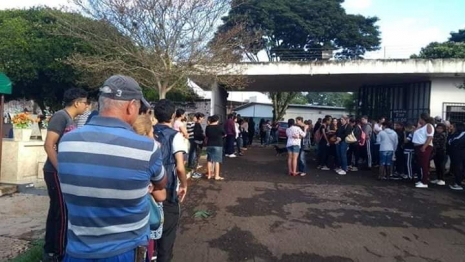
x=125, y=88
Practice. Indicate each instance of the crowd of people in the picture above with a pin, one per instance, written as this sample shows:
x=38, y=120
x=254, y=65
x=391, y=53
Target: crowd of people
x=116, y=175
x=398, y=150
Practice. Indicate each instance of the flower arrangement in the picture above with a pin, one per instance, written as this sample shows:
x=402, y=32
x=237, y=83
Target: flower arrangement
x=45, y=122
x=45, y=119
x=22, y=121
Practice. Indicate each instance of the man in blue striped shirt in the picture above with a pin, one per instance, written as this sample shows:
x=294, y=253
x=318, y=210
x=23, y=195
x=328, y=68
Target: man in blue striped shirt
x=105, y=169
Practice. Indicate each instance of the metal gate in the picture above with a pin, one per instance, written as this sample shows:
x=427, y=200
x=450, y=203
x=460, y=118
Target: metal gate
x=454, y=112
x=398, y=102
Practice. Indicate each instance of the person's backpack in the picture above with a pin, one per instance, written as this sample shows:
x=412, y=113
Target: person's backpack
x=165, y=136
x=363, y=137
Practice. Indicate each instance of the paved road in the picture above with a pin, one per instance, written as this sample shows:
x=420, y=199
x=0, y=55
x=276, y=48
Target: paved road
x=259, y=214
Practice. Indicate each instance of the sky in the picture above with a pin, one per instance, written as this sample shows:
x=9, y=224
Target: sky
x=405, y=25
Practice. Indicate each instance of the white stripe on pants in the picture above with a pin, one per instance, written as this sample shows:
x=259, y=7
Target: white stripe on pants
x=368, y=145
x=408, y=163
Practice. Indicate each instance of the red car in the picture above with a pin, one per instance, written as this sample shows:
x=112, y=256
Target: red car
x=282, y=130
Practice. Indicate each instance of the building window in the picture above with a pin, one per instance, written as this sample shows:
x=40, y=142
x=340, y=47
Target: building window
x=454, y=112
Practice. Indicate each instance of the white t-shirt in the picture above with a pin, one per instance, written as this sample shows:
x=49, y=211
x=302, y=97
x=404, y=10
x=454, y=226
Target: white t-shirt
x=421, y=135
x=237, y=130
x=291, y=132
x=179, y=144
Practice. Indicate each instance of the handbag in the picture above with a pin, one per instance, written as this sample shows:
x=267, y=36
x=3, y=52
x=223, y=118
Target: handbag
x=350, y=139
x=155, y=216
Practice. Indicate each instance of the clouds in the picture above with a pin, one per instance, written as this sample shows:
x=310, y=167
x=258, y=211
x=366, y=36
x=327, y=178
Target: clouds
x=357, y=4
x=404, y=37
x=8, y=4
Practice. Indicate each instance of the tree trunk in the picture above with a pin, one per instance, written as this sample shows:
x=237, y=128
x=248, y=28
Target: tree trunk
x=162, y=93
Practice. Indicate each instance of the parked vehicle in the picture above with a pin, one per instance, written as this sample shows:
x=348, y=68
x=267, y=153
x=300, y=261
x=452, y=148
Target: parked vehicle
x=282, y=130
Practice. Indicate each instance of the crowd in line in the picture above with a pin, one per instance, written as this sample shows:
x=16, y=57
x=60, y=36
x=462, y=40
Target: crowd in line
x=116, y=176
x=398, y=150
x=117, y=170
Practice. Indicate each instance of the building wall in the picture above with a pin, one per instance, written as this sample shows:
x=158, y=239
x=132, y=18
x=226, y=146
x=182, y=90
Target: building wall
x=312, y=113
x=265, y=111
x=444, y=90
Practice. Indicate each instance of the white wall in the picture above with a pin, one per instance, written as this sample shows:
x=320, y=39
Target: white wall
x=312, y=113
x=265, y=111
x=444, y=90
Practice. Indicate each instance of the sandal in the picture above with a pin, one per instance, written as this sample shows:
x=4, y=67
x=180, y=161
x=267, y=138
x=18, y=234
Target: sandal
x=219, y=178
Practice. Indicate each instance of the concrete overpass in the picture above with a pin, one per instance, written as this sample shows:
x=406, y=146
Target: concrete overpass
x=405, y=84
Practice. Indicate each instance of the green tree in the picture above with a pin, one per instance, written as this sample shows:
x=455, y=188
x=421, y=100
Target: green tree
x=328, y=98
x=300, y=30
x=34, y=59
x=453, y=48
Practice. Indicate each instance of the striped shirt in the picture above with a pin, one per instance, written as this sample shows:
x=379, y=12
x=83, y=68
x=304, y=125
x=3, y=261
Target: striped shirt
x=105, y=169
x=190, y=129
x=81, y=120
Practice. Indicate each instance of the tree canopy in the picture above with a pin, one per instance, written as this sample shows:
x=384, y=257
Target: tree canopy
x=453, y=48
x=300, y=30
x=34, y=58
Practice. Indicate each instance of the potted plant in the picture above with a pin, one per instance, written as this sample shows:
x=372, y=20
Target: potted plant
x=22, y=123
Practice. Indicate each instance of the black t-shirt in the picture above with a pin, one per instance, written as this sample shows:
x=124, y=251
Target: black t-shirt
x=322, y=130
x=214, y=134
x=60, y=123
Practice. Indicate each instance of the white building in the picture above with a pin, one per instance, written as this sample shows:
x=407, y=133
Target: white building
x=400, y=89
x=233, y=96
x=308, y=112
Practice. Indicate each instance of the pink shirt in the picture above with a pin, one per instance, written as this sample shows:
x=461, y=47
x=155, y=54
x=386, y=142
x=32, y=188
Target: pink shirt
x=177, y=125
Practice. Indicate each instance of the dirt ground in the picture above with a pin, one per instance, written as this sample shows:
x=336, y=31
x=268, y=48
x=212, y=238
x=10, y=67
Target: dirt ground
x=22, y=219
x=260, y=214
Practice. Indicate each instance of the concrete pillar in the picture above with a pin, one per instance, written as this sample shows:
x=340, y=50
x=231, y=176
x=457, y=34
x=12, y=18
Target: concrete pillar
x=219, y=101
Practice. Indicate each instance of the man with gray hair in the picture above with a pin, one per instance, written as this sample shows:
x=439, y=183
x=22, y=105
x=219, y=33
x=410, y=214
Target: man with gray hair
x=105, y=169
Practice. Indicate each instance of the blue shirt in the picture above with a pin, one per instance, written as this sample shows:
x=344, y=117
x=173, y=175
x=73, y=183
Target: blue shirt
x=105, y=169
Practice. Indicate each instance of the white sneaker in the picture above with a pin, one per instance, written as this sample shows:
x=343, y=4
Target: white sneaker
x=325, y=168
x=303, y=174
x=455, y=187
x=434, y=181
x=354, y=169
x=441, y=183
x=337, y=170
x=342, y=172
x=232, y=156
x=421, y=185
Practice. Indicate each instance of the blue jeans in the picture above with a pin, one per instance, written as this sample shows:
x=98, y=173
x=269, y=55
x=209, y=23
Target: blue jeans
x=341, y=151
x=301, y=163
x=268, y=137
x=192, y=156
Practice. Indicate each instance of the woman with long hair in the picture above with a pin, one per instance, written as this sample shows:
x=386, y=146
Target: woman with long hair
x=341, y=145
x=294, y=138
x=331, y=135
x=423, y=141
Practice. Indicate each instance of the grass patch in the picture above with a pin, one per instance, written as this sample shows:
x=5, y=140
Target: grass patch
x=202, y=214
x=32, y=254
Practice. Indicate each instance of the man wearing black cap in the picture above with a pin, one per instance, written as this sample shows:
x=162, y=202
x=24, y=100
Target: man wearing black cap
x=75, y=100
x=105, y=169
